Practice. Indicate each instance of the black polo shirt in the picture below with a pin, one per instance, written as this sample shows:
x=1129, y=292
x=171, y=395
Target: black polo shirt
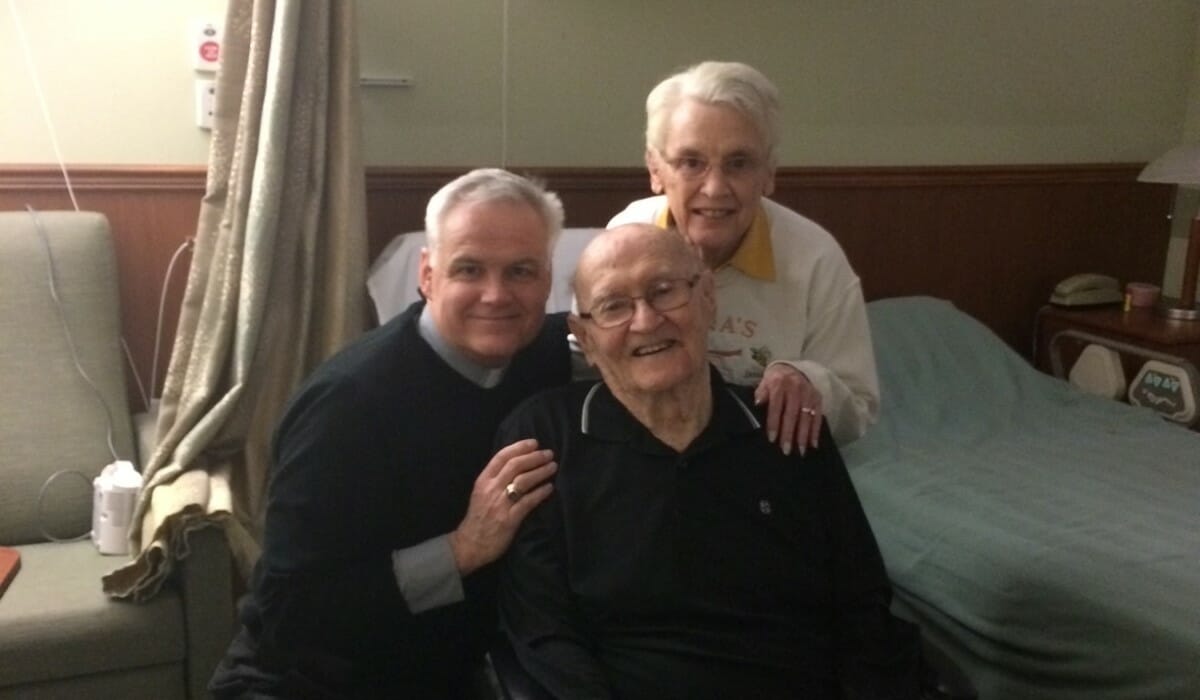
x=727, y=570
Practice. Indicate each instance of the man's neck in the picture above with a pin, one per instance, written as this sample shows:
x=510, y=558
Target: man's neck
x=486, y=377
x=676, y=417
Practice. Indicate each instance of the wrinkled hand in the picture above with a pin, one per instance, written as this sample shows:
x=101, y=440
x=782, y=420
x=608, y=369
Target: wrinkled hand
x=793, y=407
x=493, y=515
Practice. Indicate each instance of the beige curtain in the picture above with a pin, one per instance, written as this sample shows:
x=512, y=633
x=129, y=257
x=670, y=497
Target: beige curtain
x=277, y=278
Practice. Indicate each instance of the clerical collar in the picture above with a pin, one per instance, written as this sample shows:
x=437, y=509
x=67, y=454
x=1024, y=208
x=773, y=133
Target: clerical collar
x=486, y=377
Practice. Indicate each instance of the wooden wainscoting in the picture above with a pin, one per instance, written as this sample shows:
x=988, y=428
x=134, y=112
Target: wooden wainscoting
x=992, y=239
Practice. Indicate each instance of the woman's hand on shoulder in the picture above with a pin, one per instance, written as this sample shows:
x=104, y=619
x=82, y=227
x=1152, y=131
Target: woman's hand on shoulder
x=793, y=407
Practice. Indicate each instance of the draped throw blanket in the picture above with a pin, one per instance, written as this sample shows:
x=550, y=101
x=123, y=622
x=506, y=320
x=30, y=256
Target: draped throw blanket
x=276, y=283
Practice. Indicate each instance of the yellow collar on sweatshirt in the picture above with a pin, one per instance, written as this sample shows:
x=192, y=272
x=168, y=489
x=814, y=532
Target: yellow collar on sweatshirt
x=754, y=255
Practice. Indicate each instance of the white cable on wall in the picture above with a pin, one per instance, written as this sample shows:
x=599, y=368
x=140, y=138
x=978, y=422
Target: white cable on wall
x=146, y=393
x=37, y=88
x=136, y=379
x=53, y=286
x=162, y=303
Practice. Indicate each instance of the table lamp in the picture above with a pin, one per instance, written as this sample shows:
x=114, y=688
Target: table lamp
x=1181, y=166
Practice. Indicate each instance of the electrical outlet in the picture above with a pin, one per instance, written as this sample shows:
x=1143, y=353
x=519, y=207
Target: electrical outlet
x=206, y=97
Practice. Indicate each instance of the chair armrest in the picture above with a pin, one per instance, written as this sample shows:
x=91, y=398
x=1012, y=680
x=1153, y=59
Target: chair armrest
x=205, y=579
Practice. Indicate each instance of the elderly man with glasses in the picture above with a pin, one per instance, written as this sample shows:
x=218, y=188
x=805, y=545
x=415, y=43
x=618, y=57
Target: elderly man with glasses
x=681, y=554
x=791, y=317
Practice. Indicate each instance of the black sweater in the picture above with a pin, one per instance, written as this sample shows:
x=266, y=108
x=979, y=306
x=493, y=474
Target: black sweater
x=378, y=451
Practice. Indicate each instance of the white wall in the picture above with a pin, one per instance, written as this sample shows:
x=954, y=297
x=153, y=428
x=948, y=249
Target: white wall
x=116, y=76
x=864, y=82
x=562, y=82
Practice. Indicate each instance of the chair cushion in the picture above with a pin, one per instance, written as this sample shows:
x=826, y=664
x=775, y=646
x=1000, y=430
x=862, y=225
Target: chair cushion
x=56, y=622
x=157, y=682
x=50, y=418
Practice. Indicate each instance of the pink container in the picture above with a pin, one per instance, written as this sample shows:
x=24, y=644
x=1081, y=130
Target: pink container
x=1142, y=294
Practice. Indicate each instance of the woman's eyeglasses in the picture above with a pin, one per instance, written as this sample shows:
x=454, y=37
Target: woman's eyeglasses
x=696, y=168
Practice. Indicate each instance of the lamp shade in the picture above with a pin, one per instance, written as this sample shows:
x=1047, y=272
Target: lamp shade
x=1178, y=166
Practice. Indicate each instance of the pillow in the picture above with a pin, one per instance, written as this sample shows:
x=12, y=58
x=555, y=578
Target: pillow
x=392, y=280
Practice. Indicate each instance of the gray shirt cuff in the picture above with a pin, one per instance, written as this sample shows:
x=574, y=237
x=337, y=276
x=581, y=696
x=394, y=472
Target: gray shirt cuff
x=427, y=575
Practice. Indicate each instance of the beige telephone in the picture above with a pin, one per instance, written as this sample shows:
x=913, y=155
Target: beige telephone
x=1087, y=289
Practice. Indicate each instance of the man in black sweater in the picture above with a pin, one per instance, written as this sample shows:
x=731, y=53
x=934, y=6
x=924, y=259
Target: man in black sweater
x=375, y=577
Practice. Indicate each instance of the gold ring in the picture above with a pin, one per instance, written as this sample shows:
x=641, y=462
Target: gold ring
x=512, y=492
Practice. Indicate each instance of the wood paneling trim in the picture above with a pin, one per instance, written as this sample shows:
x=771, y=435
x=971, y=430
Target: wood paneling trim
x=379, y=179
x=957, y=176
x=992, y=239
x=391, y=178
x=111, y=178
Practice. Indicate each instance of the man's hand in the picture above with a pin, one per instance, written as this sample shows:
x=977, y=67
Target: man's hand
x=512, y=484
x=793, y=407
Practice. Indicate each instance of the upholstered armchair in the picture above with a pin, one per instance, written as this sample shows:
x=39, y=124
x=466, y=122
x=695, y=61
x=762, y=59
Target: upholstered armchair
x=63, y=417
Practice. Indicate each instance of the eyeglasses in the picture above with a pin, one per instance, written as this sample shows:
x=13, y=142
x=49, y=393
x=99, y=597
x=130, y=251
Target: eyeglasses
x=662, y=296
x=695, y=168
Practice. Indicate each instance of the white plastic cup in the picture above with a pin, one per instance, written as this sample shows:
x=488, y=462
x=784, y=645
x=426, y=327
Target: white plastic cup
x=116, y=492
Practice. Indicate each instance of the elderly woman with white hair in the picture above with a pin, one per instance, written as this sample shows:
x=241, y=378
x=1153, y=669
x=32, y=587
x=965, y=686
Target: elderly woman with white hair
x=791, y=316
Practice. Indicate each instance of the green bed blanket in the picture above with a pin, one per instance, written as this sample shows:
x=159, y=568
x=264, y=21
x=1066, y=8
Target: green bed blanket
x=1048, y=539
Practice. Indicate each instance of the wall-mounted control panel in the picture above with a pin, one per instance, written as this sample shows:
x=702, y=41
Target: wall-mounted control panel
x=205, y=48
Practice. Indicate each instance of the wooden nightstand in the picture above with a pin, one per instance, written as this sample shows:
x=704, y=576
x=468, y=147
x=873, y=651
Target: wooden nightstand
x=1137, y=335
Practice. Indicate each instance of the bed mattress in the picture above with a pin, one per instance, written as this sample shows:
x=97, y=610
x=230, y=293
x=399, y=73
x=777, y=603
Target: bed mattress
x=1048, y=539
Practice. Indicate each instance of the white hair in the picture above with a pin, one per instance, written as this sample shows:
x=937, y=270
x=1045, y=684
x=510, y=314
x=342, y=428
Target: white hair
x=716, y=83
x=492, y=185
